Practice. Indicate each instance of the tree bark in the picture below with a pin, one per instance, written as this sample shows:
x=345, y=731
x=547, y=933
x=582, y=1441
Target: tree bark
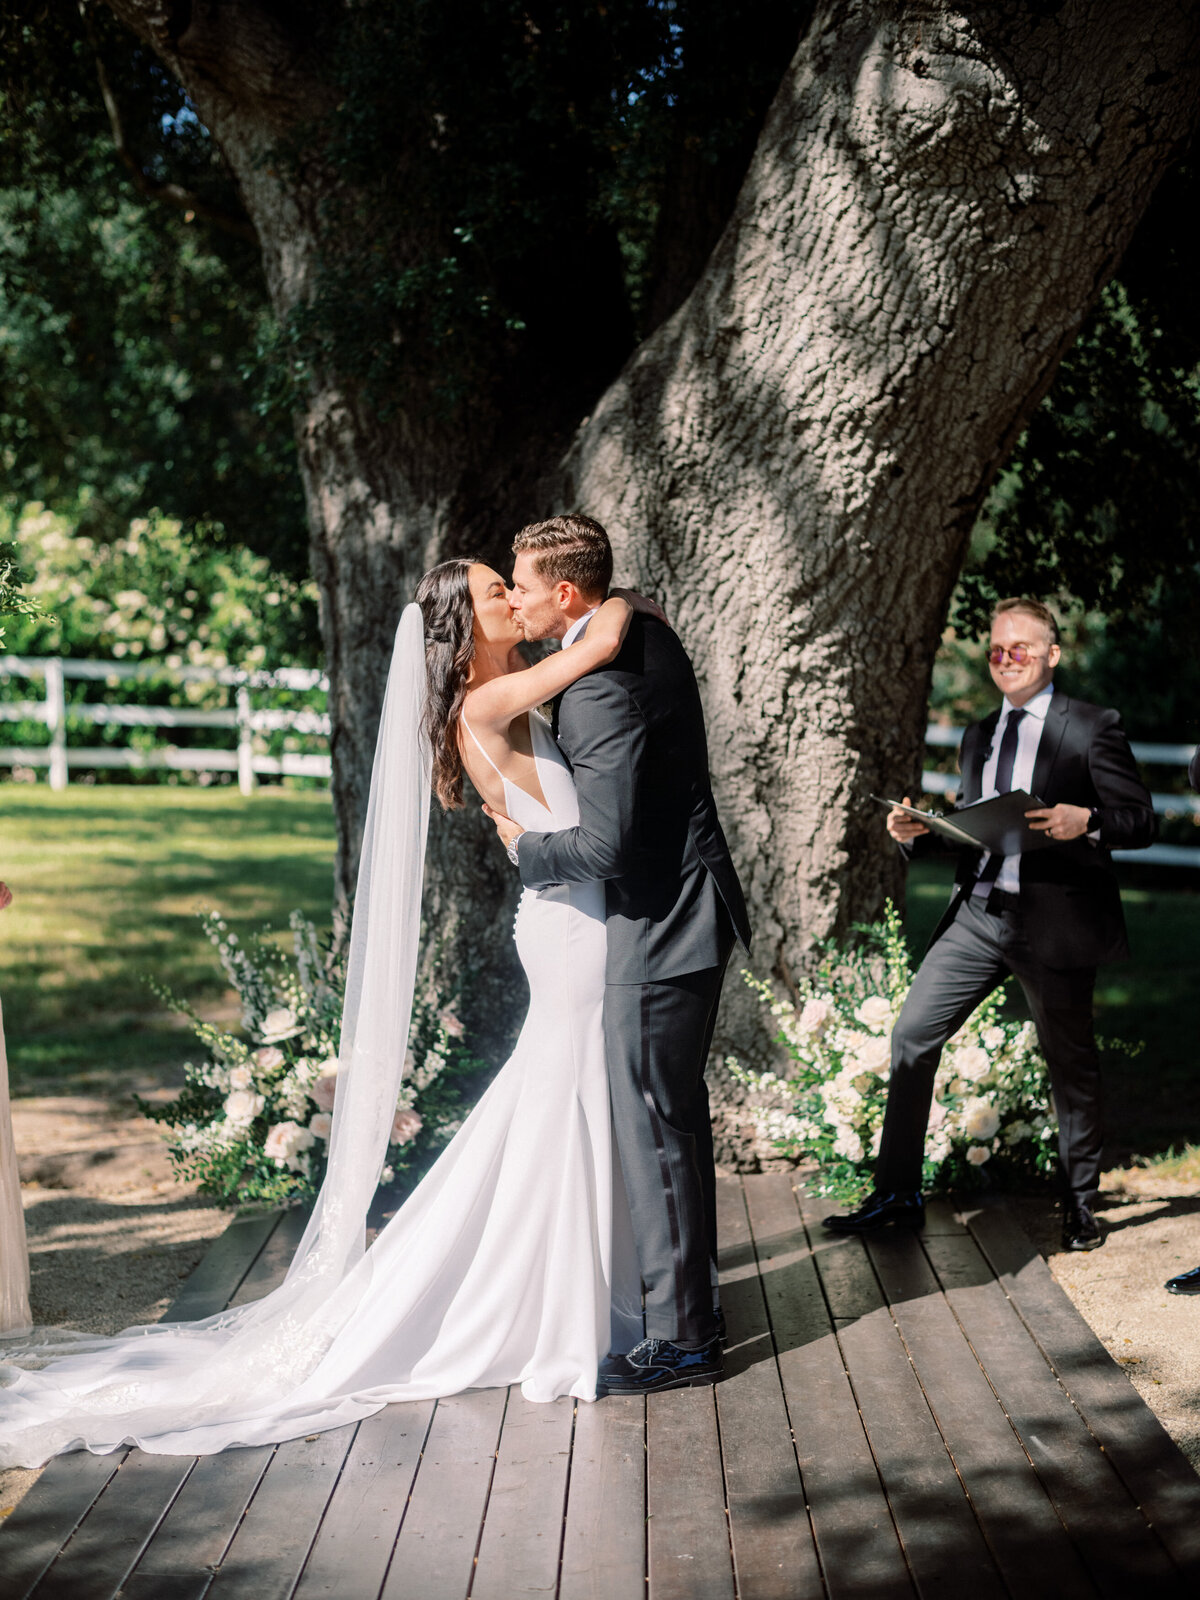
x=794, y=460
x=793, y=463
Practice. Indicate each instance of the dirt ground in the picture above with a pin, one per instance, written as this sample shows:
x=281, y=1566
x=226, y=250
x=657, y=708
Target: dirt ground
x=112, y=1235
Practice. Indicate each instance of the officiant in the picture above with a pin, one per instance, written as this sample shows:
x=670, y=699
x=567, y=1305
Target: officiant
x=1049, y=916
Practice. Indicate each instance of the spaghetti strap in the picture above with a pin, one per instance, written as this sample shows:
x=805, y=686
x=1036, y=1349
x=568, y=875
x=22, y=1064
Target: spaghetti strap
x=479, y=747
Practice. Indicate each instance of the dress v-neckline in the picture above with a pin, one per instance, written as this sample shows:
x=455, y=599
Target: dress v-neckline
x=507, y=783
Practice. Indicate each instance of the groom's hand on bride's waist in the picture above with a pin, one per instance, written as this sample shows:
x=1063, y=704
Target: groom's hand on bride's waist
x=508, y=830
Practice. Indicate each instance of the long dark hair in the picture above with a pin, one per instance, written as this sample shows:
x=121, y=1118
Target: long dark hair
x=444, y=597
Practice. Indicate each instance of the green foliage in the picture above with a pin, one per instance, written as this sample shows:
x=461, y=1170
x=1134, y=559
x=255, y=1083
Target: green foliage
x=1099, y=506
x=154, y=596
x=13, y=599
x=154, y=592
x=127, y=333
x=253, y=1120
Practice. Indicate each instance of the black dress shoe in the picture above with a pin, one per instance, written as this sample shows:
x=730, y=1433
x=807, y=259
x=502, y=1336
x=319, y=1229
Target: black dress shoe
x=1185, y=1283
x=903, y=1207
x=1081, y=1231
x=658, y=1364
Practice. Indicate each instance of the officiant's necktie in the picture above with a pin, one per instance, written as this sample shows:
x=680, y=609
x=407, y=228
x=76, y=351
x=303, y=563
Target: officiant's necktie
x=1004, y=781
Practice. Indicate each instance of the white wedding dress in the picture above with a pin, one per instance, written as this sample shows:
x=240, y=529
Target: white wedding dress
x=513, y=1262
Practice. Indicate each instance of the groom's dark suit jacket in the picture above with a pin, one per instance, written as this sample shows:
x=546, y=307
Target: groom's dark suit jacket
x=1070, y=901
x=633, y=732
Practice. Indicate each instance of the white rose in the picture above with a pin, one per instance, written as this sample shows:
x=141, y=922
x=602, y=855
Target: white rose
x=848, y=1145
x=980, y=1120
x=451, y=1023
x=284, y=1143
x=279, y=1024
x=814, y=1016
x=240, y=1077
x=241, y=1107
x=972, y=1062
x=978, y=1154
x=875, y=1053
x=994, y=1038
x=268, y=1058
x=320, y=1124
x=875, y=1012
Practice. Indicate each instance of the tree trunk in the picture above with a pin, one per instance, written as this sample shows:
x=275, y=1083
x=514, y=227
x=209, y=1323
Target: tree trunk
x=793, y=463
x=794, y=460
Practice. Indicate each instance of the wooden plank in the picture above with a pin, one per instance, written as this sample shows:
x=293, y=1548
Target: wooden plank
x=604, y=1541
x=96, y=1559
x=203, y=1518
x=1108, y=1530
x=522, y=1534
x=225, y=1263
x=847, y=1279
x=856, y=1539
x=1152, y=1466
x=272, y=1261
x=435, y=1553
x=945, y=1549
x=41, y=1524
x=773, y=1551
x=63, y=1497
x=687, y=1534
x=1027, y=1540
x=358, y=1534
x=271, y=1544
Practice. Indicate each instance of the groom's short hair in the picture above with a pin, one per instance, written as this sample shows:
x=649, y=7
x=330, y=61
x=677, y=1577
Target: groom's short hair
x=569, y=549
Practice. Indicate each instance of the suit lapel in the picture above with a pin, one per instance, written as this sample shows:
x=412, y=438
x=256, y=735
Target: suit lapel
x=1052, y=735
x=976, y=756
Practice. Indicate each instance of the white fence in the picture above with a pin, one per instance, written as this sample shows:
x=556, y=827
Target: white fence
x=53, y=711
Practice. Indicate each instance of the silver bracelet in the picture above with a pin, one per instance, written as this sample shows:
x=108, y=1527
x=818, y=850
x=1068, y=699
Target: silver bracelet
x=511, y=848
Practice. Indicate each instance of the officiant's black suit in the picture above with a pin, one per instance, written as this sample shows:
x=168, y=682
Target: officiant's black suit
x=633, y=732
x=1068, y=921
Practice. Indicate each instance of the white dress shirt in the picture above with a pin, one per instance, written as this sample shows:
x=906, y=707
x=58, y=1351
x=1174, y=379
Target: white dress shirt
x=577, y=627
x=1029, y=736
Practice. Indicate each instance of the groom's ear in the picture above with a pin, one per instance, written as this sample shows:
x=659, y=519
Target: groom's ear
x=564, y=594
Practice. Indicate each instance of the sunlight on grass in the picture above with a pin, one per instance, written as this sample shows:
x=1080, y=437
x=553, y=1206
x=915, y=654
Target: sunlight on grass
x=107, y=884
x=1183, y=1164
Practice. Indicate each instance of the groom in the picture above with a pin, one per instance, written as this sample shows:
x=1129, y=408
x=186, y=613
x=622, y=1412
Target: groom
x=633, y=733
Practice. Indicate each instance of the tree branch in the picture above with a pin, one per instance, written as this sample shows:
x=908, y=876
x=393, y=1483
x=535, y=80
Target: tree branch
x=171, y=194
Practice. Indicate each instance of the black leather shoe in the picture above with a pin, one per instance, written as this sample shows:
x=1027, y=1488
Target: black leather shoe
x=903, y=1207
x=1185, y=1283
x=658, y=1364
x=1081, y=1231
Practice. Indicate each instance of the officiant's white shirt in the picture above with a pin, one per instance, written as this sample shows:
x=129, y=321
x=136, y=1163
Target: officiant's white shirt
x=1029, y=737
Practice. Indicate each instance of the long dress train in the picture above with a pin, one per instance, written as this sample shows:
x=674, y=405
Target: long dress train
x=512, y=1262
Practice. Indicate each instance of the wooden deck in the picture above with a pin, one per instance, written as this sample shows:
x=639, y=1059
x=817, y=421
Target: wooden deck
x=913, y=1416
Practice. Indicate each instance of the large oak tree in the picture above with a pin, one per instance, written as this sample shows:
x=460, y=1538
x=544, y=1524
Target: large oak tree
x=879, y=229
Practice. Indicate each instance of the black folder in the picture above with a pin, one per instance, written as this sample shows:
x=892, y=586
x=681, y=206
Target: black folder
x=997, y=824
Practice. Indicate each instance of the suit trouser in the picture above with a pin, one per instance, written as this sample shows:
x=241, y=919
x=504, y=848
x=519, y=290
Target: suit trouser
x=976, y=952
x=657, y=1037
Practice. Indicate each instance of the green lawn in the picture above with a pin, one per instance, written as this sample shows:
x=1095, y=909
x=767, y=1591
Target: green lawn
x=1153, y=1100
x=107, y=882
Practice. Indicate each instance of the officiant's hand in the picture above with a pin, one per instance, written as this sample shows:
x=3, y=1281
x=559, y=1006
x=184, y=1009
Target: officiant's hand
x=902, y=827
x=1061, y=822
x=508, y=830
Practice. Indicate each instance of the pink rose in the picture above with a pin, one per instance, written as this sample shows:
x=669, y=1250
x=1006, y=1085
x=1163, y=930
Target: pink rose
x=267, y=1059
x=320, y=1124
x=451, y=1023
x=324, y=1089
x=406, y=1125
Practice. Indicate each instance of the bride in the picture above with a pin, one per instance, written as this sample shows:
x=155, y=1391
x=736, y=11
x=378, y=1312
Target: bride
x=513, y=1261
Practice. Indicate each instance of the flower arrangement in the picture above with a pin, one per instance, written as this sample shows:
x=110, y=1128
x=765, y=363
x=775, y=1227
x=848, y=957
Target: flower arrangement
x=991, y=1114
x=253, y=1120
